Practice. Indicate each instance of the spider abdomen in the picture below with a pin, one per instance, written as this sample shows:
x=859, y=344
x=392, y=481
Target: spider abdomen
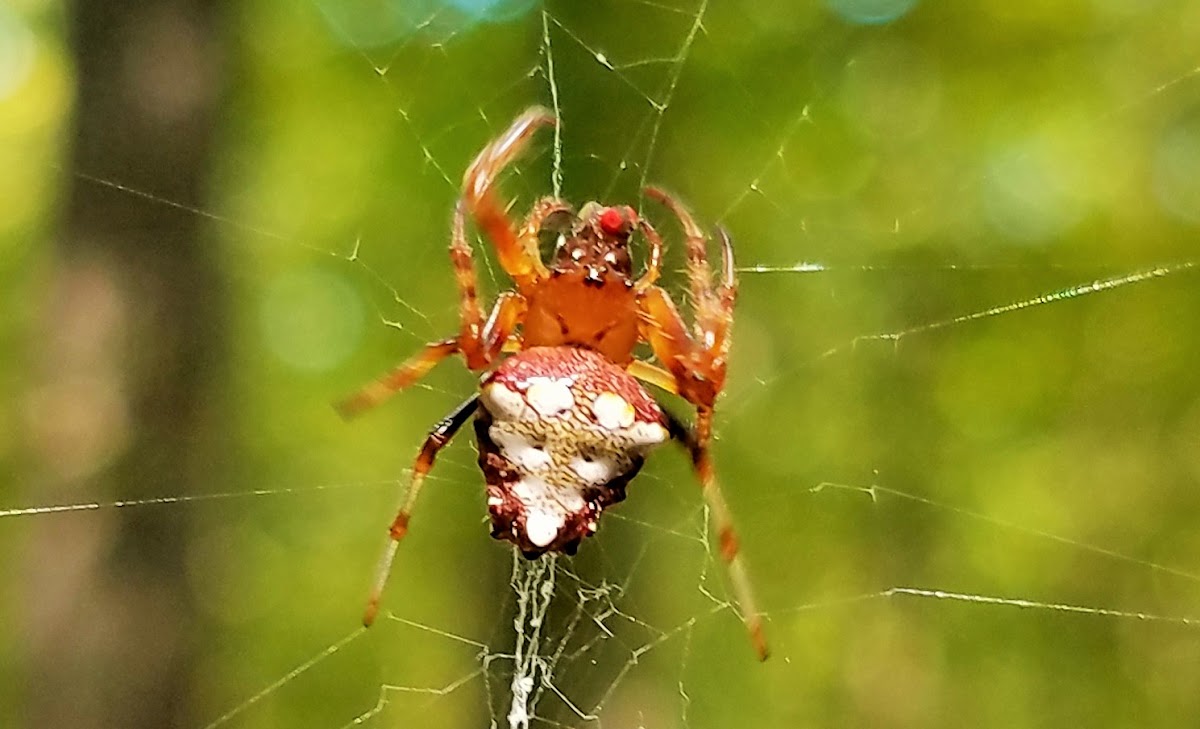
x=561, y=431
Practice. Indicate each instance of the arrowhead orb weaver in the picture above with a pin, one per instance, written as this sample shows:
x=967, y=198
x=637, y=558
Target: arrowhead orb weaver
x=564, y=423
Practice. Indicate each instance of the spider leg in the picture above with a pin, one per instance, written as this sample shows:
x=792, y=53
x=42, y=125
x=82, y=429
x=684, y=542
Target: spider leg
x=479, y=348
x=506, y=315
x=654, y=261
x=470, y=315
x=408, y=372
x=714, y=307
x=479, y=341
x=727, y=538
x=438, y=438
x=699, y=373
x=654, y=375
x=490, y=215
x=697, y=360
x=696, y=363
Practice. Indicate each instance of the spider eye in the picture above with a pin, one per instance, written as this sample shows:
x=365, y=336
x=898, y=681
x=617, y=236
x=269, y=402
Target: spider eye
x=613, y=223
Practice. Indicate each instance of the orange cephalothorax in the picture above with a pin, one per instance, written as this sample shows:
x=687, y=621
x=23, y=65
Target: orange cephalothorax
x=563, y=424
x=589, y=298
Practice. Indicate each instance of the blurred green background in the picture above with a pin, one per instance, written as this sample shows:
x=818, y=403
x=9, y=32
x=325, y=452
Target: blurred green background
x=217, y=218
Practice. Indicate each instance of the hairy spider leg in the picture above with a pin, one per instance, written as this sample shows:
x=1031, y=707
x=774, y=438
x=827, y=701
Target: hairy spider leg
x=712, y=325
x=490, y=215
x=727, y=538
x=403, y=375
x=480, y=342
x=697, y=361
x=696, y=365
x=714, y=307
x=653, y=260
x=470, y=315
x=698, y=376
x=438, y=438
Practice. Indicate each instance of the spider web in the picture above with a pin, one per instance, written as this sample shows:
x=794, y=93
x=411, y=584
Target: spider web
x=924, y=549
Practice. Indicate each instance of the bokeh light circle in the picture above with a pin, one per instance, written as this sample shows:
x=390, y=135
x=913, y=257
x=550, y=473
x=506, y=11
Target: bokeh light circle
x=310, y=319
x=871, y=12
x=1177, y=170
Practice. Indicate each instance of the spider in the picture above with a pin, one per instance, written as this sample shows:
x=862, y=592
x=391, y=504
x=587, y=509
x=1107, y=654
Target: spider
x=563, y=424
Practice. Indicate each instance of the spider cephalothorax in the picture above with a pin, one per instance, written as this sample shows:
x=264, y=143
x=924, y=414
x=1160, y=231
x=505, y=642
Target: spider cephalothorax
x=588, y=297
x=563, y=424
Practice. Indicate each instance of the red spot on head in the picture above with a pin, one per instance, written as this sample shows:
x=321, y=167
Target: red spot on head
x=612, y=222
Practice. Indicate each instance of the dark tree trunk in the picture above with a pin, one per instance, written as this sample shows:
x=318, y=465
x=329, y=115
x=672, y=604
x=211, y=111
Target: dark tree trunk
x=130, y=347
